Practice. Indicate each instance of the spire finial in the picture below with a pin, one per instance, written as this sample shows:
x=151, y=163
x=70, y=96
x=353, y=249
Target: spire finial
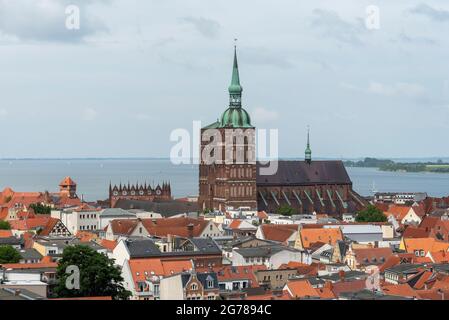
x=308, y=152
x=235, y=89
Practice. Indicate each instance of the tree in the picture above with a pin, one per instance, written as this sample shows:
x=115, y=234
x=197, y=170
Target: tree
x=9, y=255
x=40, y=208
x=98, y=276
x=286, y=210
x=371, y=214
x=4, y=225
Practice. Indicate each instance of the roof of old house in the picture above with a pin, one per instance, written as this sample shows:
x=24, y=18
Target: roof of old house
x=143, y=269
x=262, y=215
x=278, y=232
x=5, y=233
x=426, y=244
x=30, y=254
x=123, y=226
x=434, y=294
x=86, y=236
x=341, y=287
x=44, y=264
x=202, y=277
x=49, y=226
x=302, y=269
x=165, y=208
x=401, y=290
x=262, y=251
x=441, y=256
x=397, y=211
x=4, y=213
x=33, y=223
x=142, y=248
x=301, y=289
x=67, y=181
x=372, y=256
x=108, y=244
x=175, y=226
x=323, y=235
x=233, y=273
x=415, y=232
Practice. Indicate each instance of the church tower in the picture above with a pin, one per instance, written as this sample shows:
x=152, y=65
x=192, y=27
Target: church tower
x=228, y=156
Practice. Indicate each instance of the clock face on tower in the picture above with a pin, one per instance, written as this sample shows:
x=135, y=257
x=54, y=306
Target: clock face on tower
x=158, y=192
x=141, y=192
x=133, y=193
x=115, y=193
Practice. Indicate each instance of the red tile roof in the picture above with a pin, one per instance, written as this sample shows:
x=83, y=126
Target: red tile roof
x=67, y=181
x=108, y=244
x=400, y=290
x=174, y=226
x=328, y=235
x=348, y=286
x=278, y=232
x=143, y=269
x=5, y=233
x=372, y=256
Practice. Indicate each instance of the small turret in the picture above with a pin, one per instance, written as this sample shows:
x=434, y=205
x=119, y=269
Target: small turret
x=308, y=152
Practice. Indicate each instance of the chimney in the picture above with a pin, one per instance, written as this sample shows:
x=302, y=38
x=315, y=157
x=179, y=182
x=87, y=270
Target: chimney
x=341, y=274
x=190, y=230
x=441, y=292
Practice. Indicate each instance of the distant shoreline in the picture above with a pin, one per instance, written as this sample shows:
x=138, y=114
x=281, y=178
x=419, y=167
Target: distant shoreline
x=438, y=166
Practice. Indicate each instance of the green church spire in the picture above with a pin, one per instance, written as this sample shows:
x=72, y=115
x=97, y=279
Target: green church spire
x=235, y=116
x=235, y=89
x=308, y=152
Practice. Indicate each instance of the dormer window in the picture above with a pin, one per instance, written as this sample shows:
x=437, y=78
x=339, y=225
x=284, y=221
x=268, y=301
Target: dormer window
x=194, y=287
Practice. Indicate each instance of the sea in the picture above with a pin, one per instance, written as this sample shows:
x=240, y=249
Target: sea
x=93, y=177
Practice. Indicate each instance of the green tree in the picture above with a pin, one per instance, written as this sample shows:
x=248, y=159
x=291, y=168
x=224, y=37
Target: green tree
x=371, y=214
x=9, y=255
x=4, y=225
x=98, y=276
x=286, y=210
x=40, y=208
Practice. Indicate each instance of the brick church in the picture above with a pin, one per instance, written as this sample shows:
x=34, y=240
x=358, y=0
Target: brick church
x=228, y=179
x=144, y=192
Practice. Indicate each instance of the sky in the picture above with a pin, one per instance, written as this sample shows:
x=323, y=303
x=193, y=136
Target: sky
x=136, y=70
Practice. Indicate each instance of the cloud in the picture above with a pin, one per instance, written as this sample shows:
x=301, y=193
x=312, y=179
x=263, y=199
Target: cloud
x=399, y=89
x=262, y=115
x=207, y=27
x=331, y=25
x=143, y=117
x=439, y=15
x=89, y=114
x=261, y=56
x=404, y=38
x=410, y=90
x=45, y=20
x=3, y=112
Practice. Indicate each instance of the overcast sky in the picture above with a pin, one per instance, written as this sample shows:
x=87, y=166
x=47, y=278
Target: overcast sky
x=137, y=69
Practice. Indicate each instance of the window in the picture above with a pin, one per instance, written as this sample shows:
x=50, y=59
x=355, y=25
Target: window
x=194, y=286
x=210, y=283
